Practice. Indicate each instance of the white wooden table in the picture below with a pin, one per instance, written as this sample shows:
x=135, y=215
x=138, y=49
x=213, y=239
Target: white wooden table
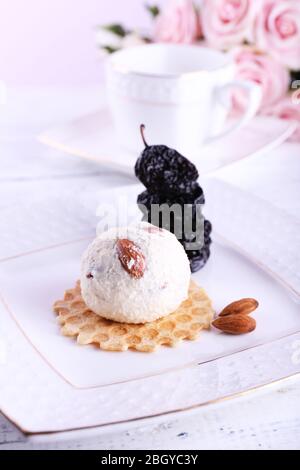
x=269, y=420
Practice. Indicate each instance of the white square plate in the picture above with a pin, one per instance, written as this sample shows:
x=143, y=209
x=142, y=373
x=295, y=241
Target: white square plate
x=30, y=285
x=49, y=383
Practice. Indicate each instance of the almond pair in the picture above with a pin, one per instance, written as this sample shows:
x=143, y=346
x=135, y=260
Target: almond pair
x=234, y=319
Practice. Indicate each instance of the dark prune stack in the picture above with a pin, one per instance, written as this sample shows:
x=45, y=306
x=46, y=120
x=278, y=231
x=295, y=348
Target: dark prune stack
x=170, y=179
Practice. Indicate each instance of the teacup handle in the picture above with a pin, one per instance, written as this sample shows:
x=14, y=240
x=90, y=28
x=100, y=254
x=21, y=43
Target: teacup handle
x=254, y=97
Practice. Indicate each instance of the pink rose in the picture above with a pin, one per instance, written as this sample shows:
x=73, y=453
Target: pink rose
x=227, y=23
x=178, y=23
x=277, y=30
x=263, y=70
x=287, y=109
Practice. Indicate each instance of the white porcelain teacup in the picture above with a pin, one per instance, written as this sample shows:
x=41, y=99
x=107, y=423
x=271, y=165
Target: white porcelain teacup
x=181, y=93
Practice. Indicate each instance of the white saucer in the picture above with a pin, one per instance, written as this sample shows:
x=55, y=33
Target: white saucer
x=93, y=137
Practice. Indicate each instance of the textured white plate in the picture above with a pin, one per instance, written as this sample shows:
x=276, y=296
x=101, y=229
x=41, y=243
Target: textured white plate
x=30, y=285
x=93, y=137
x=37, y=377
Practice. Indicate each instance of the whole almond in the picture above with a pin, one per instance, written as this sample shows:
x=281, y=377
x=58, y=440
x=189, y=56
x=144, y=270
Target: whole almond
x=131, y=257
x=237, y=324
x=242, y=306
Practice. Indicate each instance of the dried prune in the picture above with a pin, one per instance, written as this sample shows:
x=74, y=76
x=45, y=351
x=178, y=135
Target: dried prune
x=193, y=196
x=184, y=220
x=161, y=168
x=198, y=258
x=207, y=227
x=190, y=241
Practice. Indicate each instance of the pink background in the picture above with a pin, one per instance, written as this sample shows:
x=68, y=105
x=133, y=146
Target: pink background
x=52, y=42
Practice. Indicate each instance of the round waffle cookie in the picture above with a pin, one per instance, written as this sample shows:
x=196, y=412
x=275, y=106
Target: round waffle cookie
x=78, y=320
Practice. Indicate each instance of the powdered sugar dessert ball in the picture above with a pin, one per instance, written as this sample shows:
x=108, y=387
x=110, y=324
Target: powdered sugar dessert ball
x=135, y=274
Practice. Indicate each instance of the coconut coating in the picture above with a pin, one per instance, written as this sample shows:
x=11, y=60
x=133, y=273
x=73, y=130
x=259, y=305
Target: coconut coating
x=113, y=293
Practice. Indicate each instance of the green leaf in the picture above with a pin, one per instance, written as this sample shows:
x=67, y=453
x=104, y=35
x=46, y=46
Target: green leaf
x=109, y=49
x=116, y=29
x=153, y=10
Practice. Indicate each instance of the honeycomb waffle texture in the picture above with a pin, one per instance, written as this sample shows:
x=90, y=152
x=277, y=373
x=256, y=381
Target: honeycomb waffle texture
x=77, y=320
